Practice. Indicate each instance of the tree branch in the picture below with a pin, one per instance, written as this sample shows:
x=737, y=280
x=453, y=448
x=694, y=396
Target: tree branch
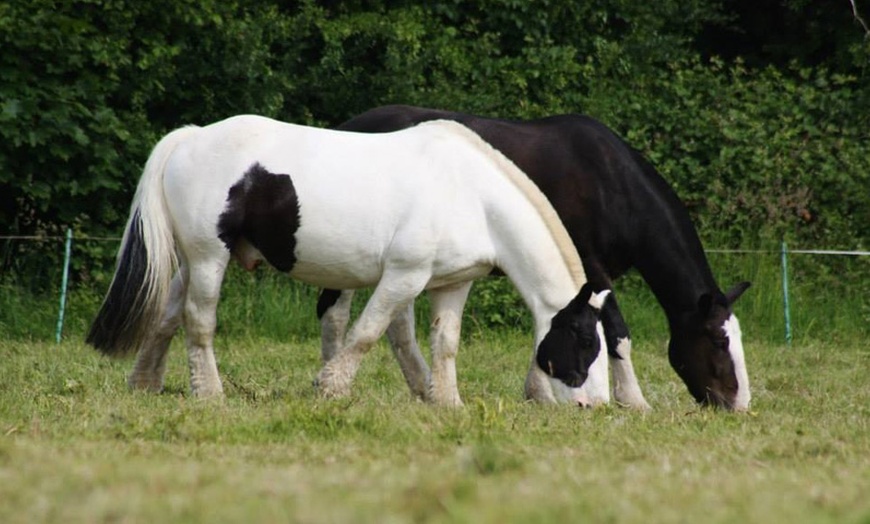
x=859, y=19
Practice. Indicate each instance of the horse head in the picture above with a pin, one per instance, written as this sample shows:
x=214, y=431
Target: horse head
x=707, y=352
x=573, y=342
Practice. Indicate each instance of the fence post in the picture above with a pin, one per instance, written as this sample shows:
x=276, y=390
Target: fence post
x=785, y=306
x=63, y=285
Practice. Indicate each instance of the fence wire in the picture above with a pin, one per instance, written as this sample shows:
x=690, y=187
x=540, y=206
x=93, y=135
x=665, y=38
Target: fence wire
x=783, y=252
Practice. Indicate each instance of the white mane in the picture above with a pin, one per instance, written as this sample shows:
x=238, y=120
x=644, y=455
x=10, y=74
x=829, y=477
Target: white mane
x=532, y=193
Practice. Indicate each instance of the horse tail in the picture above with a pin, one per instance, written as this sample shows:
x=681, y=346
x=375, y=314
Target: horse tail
x=146, y=262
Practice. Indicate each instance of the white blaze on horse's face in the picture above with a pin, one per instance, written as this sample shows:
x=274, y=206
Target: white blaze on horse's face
x=735, y=348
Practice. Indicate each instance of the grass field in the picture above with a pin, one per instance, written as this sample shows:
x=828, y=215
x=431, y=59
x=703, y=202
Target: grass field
x=77, y=446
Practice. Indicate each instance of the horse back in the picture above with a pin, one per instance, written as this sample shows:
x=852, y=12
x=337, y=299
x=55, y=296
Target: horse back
x=332, y=208
x=591, y=177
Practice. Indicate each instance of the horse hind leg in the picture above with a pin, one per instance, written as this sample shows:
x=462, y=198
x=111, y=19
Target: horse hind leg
x=333, y=310
x=150, y=367
x=403, y=341
x=200, y=319
x=447, y=305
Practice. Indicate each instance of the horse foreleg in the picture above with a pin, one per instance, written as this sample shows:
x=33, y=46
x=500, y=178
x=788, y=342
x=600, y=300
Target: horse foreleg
x=447, y=306
x=626, y=390
x=396, y=290
x=200, y=318
x=333, y=309
x=150, y=364
x=403, y=341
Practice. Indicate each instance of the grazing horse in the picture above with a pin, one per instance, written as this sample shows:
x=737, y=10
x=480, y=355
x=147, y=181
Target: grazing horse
x=620, y=213
x=431, y=207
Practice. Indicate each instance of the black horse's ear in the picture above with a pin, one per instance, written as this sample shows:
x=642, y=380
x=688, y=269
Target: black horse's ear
x=584, y=295
x=734, y=293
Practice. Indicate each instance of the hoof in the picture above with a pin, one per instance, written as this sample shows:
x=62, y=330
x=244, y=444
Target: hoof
x=329, y=386
x=203, y=392
x=146, y=384
x=440, y=398
x=637, y=405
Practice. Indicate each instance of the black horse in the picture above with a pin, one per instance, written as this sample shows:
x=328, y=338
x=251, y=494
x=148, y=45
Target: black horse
x=620, y=214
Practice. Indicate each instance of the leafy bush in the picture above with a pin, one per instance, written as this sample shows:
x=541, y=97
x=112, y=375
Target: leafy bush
x=760, y=152
x=754, y=154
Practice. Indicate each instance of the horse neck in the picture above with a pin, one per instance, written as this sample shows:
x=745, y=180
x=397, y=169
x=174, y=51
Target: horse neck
x=537, y=270
x=532, y=246
x=668, y=252
x=677, y=272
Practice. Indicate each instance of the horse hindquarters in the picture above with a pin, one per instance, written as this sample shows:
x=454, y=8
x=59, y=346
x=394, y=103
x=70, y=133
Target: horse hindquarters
x=133, y=307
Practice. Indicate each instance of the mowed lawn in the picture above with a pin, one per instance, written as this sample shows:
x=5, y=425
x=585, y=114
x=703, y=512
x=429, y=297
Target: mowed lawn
x=77, y=446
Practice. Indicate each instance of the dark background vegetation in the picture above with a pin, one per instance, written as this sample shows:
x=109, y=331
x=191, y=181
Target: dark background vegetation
x=757, y=112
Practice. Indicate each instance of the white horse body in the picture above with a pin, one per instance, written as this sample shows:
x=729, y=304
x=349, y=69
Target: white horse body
x=431, y=216
x=432, y=207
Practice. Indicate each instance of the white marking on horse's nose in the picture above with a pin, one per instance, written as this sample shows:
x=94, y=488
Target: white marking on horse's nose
x=735, y=349
x=580, y=396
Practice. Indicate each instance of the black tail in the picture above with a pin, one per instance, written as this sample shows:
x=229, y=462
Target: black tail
x=117, y=330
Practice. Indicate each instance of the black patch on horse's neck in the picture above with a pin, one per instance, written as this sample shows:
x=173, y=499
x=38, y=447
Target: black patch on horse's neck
x=263, y=208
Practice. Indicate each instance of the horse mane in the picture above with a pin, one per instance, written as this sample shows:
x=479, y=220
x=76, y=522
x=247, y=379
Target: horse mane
x=532, y=193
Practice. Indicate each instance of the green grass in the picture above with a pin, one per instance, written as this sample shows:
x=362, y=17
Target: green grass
x=77, y=446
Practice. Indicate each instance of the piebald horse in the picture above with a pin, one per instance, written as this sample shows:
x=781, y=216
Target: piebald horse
x=620, y=213
x=432, y=207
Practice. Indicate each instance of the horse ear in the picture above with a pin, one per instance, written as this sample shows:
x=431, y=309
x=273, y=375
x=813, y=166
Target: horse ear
x=734, y=293
x=597, y=299
x=584, y=295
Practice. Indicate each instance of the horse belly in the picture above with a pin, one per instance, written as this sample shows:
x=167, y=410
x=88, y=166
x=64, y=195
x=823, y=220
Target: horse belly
x=337, y=260
x=464, y=274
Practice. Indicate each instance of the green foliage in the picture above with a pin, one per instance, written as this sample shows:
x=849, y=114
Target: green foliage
x=755, y=154
x=90, y=86
x=760, y=148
